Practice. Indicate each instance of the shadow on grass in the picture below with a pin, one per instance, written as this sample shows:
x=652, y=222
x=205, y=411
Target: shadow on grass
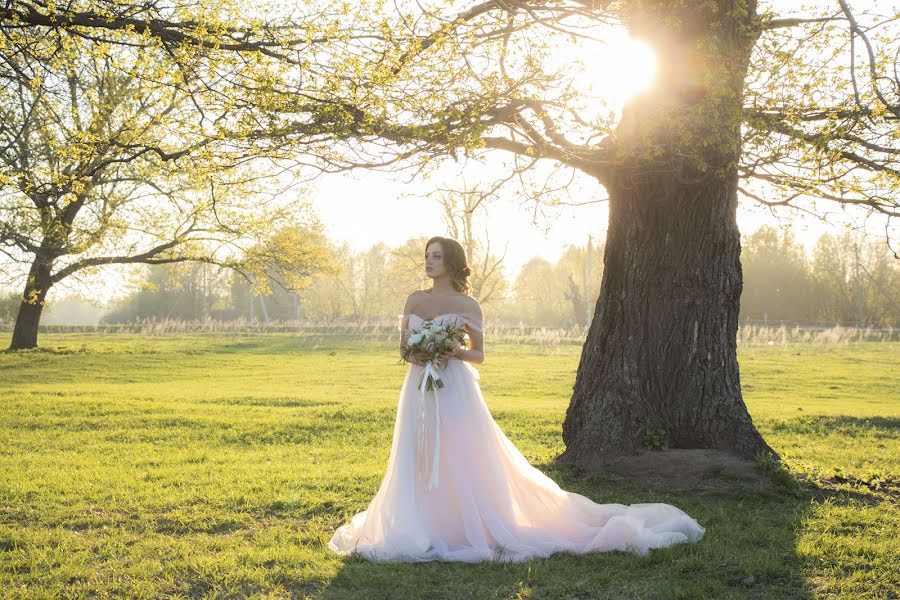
x=748, y=551
x=841, y=424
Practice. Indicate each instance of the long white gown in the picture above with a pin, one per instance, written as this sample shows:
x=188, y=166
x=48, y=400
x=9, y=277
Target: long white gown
x=485, y=501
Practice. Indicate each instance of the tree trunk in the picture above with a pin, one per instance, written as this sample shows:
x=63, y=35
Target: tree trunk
x=25, y=332
x=660, y=360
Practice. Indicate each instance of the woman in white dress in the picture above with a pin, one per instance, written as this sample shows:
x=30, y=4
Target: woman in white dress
x=456, y=488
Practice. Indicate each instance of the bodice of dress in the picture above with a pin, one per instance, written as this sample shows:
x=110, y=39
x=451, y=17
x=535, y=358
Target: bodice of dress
x=412, y=320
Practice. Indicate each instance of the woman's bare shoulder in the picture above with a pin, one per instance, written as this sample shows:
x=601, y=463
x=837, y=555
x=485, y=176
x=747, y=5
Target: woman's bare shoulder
x=413, y=299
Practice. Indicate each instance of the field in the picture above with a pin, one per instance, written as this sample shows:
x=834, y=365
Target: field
x=190, y=465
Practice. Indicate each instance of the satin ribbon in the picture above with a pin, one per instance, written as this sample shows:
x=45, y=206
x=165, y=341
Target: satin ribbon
x=432, y=370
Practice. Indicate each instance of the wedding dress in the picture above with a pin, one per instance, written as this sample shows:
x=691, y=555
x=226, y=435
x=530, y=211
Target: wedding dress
x=456, y=488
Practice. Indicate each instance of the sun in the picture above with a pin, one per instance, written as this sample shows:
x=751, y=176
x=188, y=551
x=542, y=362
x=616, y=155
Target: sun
x=617, y=70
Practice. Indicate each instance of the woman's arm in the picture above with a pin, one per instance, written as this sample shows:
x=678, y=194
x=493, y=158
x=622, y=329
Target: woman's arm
x=475, y=328
x=472, y=356
x=417, y=359
x=476, y=334
x=475, y=352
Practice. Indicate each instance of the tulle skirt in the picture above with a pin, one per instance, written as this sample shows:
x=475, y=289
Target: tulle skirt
x=478, y=499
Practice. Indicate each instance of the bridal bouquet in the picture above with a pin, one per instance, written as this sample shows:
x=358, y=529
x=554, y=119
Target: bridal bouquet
x=433, y=339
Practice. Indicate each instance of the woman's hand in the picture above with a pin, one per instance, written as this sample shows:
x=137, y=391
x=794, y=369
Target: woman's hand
x=446, y=355
x=419, y=358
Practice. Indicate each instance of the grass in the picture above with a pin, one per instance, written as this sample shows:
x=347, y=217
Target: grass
x=189, y=465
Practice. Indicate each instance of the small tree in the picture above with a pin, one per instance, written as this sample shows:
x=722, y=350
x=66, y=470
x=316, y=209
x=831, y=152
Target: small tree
x=855, y=281
x=464, y=211
x=777, y=281
x=112, y=152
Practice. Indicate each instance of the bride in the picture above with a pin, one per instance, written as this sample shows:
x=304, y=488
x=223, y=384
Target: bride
x=456, y=488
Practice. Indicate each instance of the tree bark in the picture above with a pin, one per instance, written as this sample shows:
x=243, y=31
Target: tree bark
x=25, y=332
x=660, y=357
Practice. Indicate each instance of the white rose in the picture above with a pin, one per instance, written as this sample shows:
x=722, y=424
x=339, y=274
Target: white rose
x=415, y=338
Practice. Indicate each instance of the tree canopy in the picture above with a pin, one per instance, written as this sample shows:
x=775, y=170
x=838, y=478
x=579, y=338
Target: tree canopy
x=337, y=86
x=110, y=106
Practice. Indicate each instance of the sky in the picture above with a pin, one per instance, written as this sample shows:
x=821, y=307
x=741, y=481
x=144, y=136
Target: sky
x=386, y=209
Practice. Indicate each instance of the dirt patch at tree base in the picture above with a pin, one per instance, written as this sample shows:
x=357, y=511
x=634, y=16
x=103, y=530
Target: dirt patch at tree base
x=697, y=470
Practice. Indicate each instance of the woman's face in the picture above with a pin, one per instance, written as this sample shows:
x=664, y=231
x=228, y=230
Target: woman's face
x=434, y=261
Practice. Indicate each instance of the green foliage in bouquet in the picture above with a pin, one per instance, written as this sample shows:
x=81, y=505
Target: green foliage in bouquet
x=432, y=339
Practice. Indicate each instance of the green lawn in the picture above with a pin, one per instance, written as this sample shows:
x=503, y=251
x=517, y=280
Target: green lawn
x=191, y=466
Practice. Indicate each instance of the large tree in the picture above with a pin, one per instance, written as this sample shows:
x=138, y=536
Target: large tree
x=768, y=106
x=661, y=352
x=741, y=99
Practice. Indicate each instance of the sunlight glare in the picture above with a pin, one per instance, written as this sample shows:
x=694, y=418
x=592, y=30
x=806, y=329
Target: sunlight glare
x=618, y=70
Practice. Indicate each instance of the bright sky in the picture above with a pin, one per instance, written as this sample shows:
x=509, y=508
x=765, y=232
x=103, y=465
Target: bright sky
x=370, y=207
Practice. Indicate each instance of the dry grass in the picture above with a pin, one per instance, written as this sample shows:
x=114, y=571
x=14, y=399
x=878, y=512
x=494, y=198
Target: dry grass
x=383, y=330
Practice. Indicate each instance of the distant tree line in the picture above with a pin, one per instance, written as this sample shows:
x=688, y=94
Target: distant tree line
x=843, y=280
x=847, y=280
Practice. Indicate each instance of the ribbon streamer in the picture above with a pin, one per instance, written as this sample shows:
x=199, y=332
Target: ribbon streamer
x=430, y=369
